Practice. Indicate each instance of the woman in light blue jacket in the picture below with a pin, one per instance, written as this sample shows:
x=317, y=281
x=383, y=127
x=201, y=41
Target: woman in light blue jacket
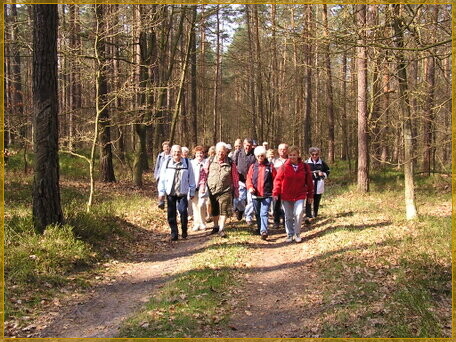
x=177, y=183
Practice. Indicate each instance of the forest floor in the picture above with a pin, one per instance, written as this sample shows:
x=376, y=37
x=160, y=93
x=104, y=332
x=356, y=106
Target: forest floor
x=360, y=271
x=282, y=289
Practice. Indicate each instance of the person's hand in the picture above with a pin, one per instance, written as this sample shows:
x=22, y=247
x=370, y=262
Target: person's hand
x=251, y=190
x=321, y=174
x=161, y=198
x=275, y=198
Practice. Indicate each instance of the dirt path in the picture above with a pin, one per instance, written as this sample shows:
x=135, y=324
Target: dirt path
x=278, y=280
x=108, y=305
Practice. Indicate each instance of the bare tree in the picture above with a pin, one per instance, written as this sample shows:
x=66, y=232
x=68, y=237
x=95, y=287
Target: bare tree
x=361, y=64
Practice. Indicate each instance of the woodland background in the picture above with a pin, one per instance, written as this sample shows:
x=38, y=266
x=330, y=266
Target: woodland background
x=197, y=74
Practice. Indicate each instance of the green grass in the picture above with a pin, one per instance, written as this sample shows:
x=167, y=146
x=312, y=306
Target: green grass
x=196, y=299
x=384, y=276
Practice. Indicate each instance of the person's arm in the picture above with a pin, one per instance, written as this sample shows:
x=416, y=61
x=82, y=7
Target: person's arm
x=191, y=180
x=235, y=180
x=248, y=181
x=309, y=182
x=325, y=169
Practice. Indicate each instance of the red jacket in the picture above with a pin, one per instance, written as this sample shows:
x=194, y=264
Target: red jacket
x=260, y=178
x=293, y=185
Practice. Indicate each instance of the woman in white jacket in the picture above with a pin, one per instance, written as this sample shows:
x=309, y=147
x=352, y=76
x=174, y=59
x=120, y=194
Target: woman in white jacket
x=199, y=200
x=177, y=183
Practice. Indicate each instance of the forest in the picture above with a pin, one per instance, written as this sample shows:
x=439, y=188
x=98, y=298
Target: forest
x=92, y=91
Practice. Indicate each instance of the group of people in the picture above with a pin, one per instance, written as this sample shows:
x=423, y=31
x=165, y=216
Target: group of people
x=248, y=180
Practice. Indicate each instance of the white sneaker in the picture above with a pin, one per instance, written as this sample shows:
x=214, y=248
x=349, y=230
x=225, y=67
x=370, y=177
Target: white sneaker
x=289, y=239
x=297, y=238
x=202, y=227
x=195, y=228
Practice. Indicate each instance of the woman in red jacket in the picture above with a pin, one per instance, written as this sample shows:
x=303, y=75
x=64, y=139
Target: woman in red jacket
x=259, y=183
x=293, y=184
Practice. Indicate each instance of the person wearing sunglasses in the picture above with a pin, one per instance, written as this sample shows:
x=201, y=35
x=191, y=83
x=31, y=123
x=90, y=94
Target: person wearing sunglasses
x=320, y=171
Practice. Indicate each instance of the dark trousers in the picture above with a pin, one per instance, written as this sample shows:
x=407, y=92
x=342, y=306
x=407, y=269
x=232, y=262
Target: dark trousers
x=175, y=204
x=278, y=211
x=316, y=204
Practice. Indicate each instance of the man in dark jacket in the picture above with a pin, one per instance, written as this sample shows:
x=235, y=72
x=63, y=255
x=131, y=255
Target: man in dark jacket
x=243, y=159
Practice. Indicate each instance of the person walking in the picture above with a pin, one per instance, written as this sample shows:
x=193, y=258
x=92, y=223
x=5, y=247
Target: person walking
x=176, y=184
x=198, y=202
x=320, y=171
x=260, y=182
x=221, y=177
x=293, y=184
x=243, y=159
x=278, y=213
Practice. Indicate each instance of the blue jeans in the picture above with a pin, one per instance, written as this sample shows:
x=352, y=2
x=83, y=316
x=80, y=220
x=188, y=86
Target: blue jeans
x=261, y=206
x=175, y=204
x=244, y=201
x=294, y=213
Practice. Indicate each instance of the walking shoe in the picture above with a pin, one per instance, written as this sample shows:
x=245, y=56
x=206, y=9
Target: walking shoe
x=202, y=227
x=184, y=235
x=239, y=214
x=221, y=233
x=214, y=230
x=297, y=238
x=307, y=221
x=195, y=228
x=264, y=235
x=173, y=238
x=289, y=239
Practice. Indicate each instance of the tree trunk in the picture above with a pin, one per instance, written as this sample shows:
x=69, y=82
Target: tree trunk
x=46, y=190
x=193, y=85
x=429, y=115
x=329, y=90
x=106, y=165
x=398, y=39
x=308, y=80
x=361, y=64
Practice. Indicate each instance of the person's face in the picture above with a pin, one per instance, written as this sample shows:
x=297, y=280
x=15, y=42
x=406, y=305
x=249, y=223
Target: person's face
x=315, y=155
x=261, y=158
x=237, y=147
x=247, y=146
x=176, y=154
x=269, y=155
x=220, y=153
x=283, y=151
x=166, y=149
x=185, y=154
x=199, y=155
x=293, y=156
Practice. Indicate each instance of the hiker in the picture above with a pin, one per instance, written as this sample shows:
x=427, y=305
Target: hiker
x=260, y=184
x=293, y=184
x=177, y=184
x=277, y=204
x=199, y=200
x=243, y=159
x=320, y=171
x=222, y=180
x=162, y=156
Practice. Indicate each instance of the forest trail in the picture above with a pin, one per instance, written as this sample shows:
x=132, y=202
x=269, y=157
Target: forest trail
x=101, y=313
x=277, y=271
